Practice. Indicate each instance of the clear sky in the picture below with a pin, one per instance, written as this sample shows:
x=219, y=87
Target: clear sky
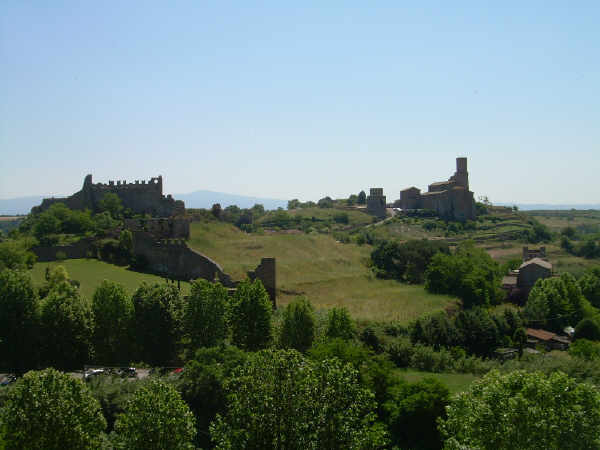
x=302, y=99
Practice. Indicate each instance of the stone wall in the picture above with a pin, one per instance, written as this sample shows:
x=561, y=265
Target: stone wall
x=140, y=197
x=79, y=249
x=265, y=272
x=161, y=228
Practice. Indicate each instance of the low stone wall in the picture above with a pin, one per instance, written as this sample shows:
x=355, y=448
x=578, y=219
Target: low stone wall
x=79, y=249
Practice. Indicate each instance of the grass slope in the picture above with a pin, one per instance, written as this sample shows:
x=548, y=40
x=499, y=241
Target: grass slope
x=327, y=272
x=91, y=272
x=455, y=382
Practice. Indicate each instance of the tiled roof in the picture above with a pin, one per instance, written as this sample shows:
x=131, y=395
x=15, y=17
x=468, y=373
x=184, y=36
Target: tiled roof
x=540, y=334
x=509, y=280
x=537, y=262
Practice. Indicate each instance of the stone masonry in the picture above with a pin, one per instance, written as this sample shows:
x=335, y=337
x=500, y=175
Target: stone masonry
x=450, y=199
x=141, y=197
x=376, y=204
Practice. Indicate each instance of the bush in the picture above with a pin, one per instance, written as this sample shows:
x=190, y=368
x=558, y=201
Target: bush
x=340, y=324
x=51, y=410
x=155, y=417
x=298, y=329
x=587, y=329
x=250, y=316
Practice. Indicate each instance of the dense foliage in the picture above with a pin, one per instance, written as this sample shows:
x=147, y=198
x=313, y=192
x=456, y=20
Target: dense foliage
x=250, y=316
x=554, y=303
x=204, y=314
x=298, y=328
x=156, y=418
x=524, y=411
x=407, y=261
x=296, y=405
x=470, y=273
x=51, y=410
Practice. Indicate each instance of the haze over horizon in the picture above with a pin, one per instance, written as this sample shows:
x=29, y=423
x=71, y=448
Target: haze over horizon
x=302, y=101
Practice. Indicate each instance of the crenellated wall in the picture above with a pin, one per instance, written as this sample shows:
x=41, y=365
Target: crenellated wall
x=140, y=197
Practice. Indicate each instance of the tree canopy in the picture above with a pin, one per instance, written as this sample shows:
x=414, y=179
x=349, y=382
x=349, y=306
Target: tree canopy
x=524, y=410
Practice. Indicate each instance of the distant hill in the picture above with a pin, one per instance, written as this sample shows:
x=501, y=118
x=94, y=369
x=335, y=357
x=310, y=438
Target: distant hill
x=21, y=205
x=550, y=207
x=197, y=199
x=205, y=199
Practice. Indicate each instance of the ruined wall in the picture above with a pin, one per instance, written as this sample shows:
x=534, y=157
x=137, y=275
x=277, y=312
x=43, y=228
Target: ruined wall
x=79, y=249
x=265, y=272
x=161, y=228
x=140, y=197
x=533, y=253
x=175, y=259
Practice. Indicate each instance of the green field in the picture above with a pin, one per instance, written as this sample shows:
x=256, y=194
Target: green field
x=329, y=273
x=91, y=272
x=455, y=382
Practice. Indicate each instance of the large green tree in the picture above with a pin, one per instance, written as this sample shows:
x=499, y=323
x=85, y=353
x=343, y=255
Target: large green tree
x=155, y=418
x=470, y=273
x=412, y=413
x=111, y=203
x=202, y=385
x=340, y=324
x=524, y=410
x=589, y=284
x=51, y=410
x=204, y=314
x=157, y=317
x=113, y=321
x=67, y=326
x=298, y=328
x=250, y=316
x=18, y=321
x=554, y=303
x=281, y=400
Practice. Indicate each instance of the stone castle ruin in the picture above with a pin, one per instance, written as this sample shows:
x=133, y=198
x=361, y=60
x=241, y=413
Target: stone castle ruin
x=450, y=199
x=140, y=197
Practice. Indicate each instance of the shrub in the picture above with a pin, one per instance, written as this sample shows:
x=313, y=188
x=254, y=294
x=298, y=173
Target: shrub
x=340, y=324
x=298, y=329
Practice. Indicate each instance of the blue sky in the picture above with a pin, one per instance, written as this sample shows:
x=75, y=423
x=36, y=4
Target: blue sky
x=302, y=100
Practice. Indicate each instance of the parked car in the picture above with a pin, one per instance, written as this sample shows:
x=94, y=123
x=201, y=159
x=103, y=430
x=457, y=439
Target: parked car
x=93, y=373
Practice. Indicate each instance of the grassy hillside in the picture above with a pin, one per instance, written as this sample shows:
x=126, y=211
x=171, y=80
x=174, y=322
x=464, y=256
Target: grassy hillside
x=91, y=272
x=327, y=272
x=455, y=382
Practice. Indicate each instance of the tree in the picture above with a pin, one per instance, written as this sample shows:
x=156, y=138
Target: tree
x=281, y=400
x=51, y=410
x=15, y=255
x=587, y=329
x=412, y=413
x=156, y=417
x=18, y=321
x=113, y=322
x=157, y=318
x=589, y=284
x=216, y=211
x=126, y=243
x=204, y=314
x=556, y=302
x=250, y=316
x=362, y=198
x=111, y=203
x=67, y=326
x=202, y=385
x=584, y=349
x=340, y=324
x=519, y=339
x=524, y=410
x=470, y=273
x=46, y=224
x=298, y=329
x=293, y=204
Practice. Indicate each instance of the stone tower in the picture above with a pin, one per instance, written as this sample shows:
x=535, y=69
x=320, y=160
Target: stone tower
x=461, y=176
x=376, y=203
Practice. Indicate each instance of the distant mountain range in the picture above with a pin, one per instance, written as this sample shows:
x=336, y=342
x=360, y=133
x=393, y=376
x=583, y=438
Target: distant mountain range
x=547, y=206
x=197, y=199
x=205, y=199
